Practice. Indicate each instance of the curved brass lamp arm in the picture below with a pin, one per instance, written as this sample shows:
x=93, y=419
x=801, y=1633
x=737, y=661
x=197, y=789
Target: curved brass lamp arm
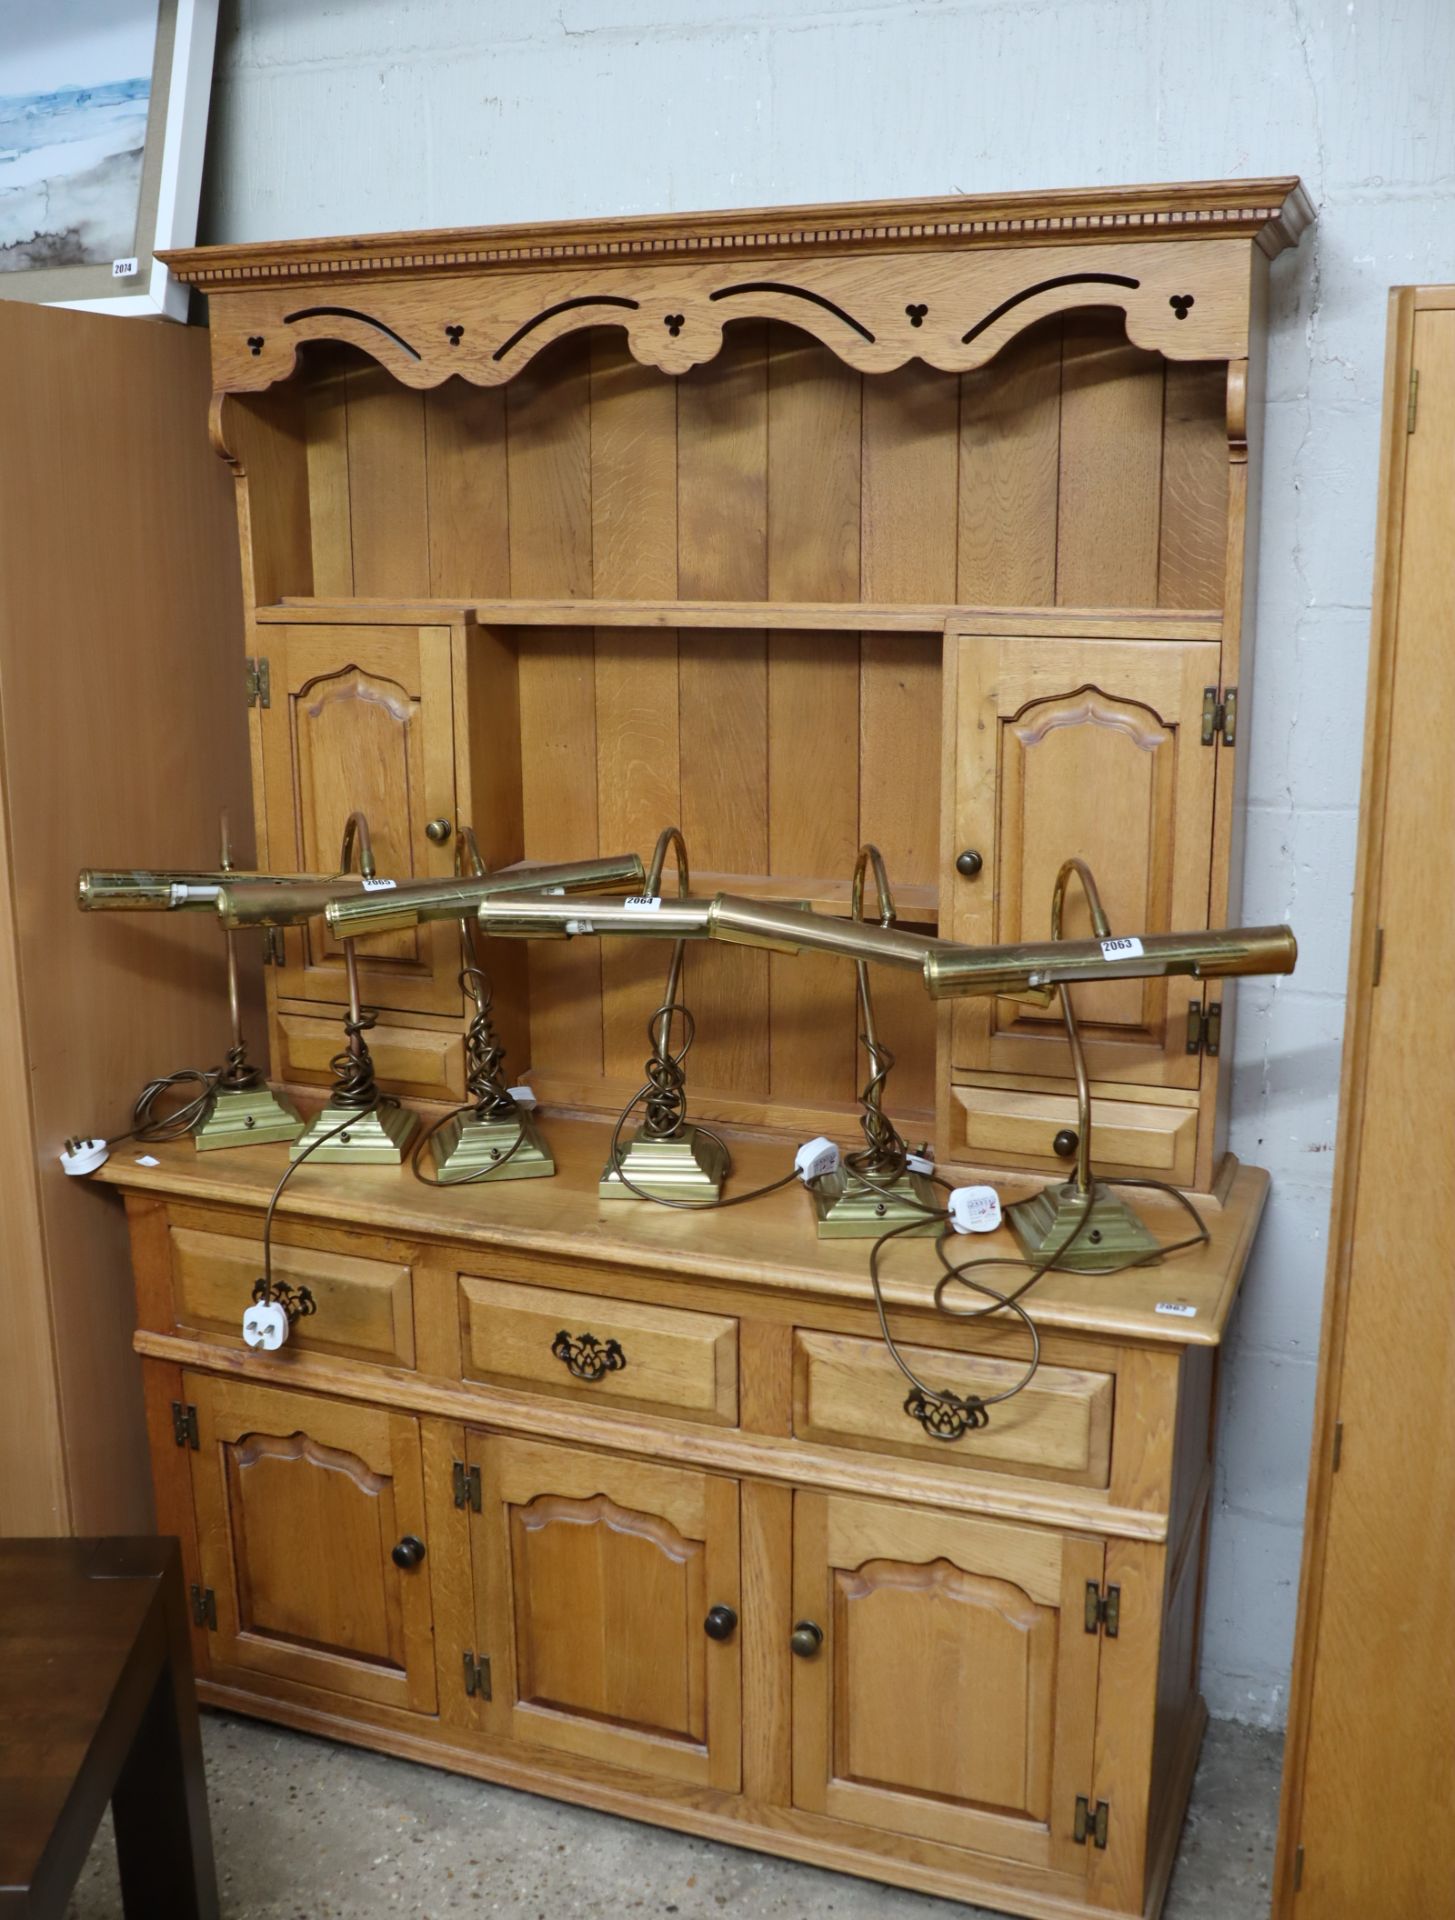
x=1079, y=870
x=468, y=847
x=356, y=833
x=1101, y=926
x=870, y=856
x=356, y=830
x=879, y=1132
x=670, y=838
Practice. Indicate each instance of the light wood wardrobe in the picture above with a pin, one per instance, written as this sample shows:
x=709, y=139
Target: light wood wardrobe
x=1368, y=1823
x=122, y=732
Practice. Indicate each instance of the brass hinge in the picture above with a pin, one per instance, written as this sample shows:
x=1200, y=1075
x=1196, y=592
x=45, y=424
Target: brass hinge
x=184, y=1424
x=204, y=1607
x=258, y=685
x=1338, y=1445
x=1414, y=401
x=1297, y=1869
x=1091, y=1821
x=275, y=947
x=1378, y=956
x=1103, y=1610
x=1204, y=1027
x=467, y=1486
x=1219, y=717
x=477, y=1676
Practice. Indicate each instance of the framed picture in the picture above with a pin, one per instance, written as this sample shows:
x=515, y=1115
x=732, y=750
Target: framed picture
x=103, y=118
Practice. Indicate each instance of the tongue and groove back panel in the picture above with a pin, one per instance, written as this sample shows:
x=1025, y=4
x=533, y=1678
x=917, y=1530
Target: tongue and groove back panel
x=1073, y=470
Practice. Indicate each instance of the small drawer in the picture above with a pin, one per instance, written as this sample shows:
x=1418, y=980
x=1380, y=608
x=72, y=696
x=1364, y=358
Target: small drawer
x=363, y=1309
x=999, y=1125
x=616, y=1353
x=418, y=1061
x=849, y=1392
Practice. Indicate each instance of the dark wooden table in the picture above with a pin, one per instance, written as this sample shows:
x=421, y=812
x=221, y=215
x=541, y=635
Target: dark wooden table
x=97, y=1703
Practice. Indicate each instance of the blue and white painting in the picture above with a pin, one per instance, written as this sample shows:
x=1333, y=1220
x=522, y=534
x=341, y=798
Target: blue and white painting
x=75, y=86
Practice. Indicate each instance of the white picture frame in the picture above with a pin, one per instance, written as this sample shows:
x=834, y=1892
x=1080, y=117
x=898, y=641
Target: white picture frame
x=176, y=133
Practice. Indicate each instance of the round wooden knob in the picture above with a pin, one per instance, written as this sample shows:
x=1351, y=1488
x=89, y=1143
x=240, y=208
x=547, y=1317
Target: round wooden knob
x=969, y=863
x=408, y=1553
x=1065, y=1143
x=720, y=1624
x=439, y=830
x=806, y=1639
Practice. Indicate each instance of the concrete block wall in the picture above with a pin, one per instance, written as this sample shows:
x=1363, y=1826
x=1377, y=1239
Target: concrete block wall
x=338, y=116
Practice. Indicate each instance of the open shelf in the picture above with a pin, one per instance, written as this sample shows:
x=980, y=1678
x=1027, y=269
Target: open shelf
x=829, y=616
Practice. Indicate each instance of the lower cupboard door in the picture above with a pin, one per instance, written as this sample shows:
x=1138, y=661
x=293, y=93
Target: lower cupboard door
x=595, y=1577
x=953, y=1696
x=300, y=1503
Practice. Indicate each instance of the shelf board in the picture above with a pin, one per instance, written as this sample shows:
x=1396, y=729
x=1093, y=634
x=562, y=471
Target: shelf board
x=827, y=616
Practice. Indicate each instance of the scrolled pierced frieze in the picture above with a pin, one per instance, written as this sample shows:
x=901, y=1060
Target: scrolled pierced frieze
x=952, y=310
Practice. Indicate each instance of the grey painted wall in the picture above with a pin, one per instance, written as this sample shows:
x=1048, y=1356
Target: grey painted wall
x=338, y=116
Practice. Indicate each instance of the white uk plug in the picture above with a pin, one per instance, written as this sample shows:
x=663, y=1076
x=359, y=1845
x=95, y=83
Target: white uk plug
x=265, y=1325
x=83, y=1156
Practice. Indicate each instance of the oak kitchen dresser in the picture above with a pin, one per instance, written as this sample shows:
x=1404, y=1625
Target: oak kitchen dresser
x=919, y=523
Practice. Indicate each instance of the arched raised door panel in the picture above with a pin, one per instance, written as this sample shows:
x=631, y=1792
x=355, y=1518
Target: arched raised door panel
x=593, y=1580
x=300, y=1504
x=362, y=718
x=1071, y=745
x=954, y=1696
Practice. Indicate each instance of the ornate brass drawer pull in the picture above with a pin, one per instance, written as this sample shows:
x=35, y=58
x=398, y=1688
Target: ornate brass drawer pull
x=296, y=1302
x=587, y=1357
x=949, y=1418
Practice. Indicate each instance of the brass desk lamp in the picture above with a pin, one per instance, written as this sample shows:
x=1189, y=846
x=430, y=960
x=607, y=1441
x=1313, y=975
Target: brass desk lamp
x=1113, y=1233
x=498, y=1140
x=243, y=1109
x=668, y=1157
x=359, y=1125
x=874, y=1189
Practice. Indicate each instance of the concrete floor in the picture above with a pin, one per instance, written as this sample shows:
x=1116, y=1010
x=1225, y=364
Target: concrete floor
x=306, y=1830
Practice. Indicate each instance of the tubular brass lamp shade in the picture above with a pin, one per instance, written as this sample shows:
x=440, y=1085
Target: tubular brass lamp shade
x=391, y=909
x=955, y=972
x=148, y=890
x=541, y=916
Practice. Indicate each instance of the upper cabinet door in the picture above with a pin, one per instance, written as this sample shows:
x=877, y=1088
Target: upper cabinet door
x=602, y=1584
x=1087, y=747
x=952, y=1696
x=301, y=1502
x=362, y=718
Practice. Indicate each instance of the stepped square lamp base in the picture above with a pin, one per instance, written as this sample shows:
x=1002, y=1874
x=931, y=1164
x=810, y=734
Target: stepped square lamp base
x=1112, y=1235
x=691, y=1167
x=377, y=1138
x=470, y=1148
x=849, y=1209
x=248, y=1117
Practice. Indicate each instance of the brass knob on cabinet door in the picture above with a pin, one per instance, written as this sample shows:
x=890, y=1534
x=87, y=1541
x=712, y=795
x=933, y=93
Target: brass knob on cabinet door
x=439, y=830
x=969, y=863
x=408, y=1553
x=720, y=1624
x=806, y=1638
